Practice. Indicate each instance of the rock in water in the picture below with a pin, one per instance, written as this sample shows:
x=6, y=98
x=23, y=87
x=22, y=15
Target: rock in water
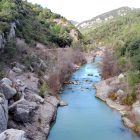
x=62, y=103
x=13, y=134
x=3, y=113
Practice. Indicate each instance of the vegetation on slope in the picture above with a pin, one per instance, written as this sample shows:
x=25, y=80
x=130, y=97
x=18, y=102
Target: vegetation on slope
x=122, y=35
x=35, y=23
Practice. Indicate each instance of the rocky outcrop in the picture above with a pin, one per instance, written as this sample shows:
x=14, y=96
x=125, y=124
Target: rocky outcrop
x=39, y=125
x=136, y=111
x=12, y=32
x=3, y=113
x=13, y=134
x=2, y=41
x=115, y=86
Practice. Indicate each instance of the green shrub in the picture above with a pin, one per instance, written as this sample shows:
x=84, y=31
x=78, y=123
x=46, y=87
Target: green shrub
x=10, y=48
x=133, y=78
x=43, y=89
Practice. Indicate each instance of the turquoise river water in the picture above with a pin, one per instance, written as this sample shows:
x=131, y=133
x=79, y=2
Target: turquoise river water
x=86, y=117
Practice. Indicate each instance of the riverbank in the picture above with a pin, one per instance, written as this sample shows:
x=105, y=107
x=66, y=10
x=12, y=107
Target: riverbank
x=95, y=116
x=111, y=91
x=30, y=90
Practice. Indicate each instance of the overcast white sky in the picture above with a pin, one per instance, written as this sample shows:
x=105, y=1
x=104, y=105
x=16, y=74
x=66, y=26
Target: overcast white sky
x=80, y=10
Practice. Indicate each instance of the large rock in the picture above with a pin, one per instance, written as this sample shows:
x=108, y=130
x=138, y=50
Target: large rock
x=13, y=134
x=103, y=90
x=7, y=89
x=38, y=128
x=3, y=113
x=109, y=86
x=24, y=111
x=6, y=81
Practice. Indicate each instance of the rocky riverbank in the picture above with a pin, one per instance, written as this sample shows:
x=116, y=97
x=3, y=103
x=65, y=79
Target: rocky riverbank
x=113, y=91
x=29, y=91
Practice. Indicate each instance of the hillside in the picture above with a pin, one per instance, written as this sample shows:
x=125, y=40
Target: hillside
x=36, y=59
x=34, y=24
x=120, y=39
x=98, y=20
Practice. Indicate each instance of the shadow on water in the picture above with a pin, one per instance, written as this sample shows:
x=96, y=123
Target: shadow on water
x=86, y=117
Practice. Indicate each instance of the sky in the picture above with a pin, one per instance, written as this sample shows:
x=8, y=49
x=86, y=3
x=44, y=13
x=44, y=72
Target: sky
x=81, y=10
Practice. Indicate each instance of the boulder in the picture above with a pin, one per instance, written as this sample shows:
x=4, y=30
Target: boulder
x=121, y=77
x=17, y=70
x=24, y=111
x=103, y=90
x=13, y=134
x=6, y=81
x=3, y=113
x=7, y=89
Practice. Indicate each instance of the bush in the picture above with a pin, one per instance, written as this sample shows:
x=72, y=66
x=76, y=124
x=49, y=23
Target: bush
x=109, y=65
x=10, y=48
x=133, y=78
x=113, y=96
x=129, y=100
x=43, y=89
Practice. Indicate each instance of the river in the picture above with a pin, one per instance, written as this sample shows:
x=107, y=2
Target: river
x=86, y=117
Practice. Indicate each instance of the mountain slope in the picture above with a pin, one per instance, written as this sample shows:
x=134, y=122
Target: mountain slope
x=104, y=17
x=34, y=24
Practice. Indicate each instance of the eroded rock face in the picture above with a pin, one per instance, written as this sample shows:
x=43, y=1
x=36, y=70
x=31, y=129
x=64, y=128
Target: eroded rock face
x=3, y=113
x=2, y=41
x=136, y=111
x=12, y=32
x=39, y=125
x=13, y=134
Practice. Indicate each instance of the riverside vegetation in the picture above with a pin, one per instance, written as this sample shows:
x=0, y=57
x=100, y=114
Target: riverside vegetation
x=39, y=50
x=120, y=38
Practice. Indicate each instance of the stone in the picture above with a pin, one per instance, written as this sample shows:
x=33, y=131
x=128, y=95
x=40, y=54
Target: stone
x=3, y=113
x=121, y=77
x=34, y=97
x=24, y=111
x=7, y=90
x=120, y=93
x=13, y=134
x=62, y=103
x=90, y=74
x=17, y=70
x=127, y=122
x=6, y=81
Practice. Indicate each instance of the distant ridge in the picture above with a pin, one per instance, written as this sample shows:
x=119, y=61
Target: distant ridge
x=122, y=11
